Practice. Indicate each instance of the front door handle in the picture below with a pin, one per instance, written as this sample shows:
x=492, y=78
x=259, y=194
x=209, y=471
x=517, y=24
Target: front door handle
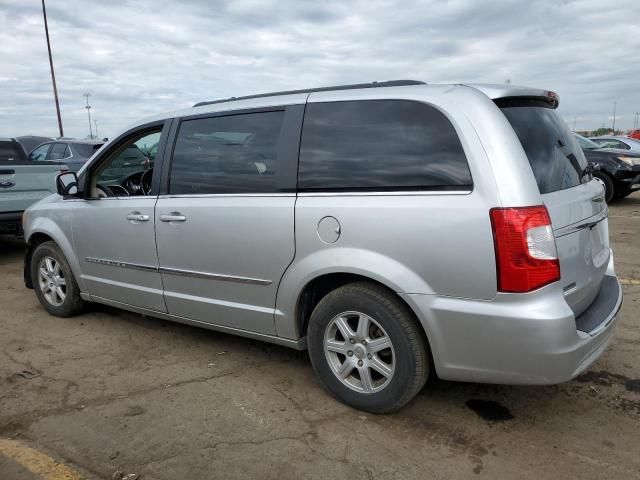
x=138, y=217
x=173, y=217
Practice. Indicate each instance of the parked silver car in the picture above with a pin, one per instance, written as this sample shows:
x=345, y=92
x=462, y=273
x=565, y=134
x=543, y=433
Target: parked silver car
x=621, y=143
x=397, y=230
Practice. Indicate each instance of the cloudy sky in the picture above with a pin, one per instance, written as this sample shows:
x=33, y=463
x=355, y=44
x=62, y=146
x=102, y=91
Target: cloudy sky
x=141, y=57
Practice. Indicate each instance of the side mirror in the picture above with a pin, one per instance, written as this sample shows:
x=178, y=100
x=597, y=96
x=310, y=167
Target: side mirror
x=67, y=184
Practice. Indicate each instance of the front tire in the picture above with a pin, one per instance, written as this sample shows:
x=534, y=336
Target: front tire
x=53, y=281
x=367, y=348
x=609, y=188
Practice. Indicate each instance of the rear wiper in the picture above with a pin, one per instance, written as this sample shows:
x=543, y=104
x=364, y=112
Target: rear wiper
x=573, y=160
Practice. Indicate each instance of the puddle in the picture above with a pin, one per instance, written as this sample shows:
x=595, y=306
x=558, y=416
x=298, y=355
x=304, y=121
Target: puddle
x=633, y=385
x=490, y=410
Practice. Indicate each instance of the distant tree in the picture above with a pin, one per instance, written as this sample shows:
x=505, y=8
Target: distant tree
x=603, y=131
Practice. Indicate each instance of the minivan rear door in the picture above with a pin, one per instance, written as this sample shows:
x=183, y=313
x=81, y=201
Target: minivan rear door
x=575, y=201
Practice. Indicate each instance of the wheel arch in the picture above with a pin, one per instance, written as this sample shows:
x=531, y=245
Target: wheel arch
x=293, y=322
x=45, y=230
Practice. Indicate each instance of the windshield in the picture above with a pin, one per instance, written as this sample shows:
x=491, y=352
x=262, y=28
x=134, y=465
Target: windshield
x=586, y=143
x=556, y=159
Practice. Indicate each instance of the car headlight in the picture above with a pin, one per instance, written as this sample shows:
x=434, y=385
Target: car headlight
x=629, y=160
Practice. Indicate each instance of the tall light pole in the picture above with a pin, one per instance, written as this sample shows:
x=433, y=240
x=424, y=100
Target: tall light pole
x=96, y=124
x=614, y=117
x=88, y=107
x=53, y=75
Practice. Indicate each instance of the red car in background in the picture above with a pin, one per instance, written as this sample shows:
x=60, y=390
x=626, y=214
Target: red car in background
x=635, y=134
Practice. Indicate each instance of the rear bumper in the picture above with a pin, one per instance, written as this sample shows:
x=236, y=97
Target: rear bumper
x=514, y=340
x=11, y=222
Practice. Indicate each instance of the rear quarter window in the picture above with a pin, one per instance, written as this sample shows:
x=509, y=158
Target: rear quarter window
x=555, y=157
x=380, y=145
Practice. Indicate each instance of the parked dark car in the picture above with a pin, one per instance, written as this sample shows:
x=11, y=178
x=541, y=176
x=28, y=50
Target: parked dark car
x=11, y=150
x=619, y=170
x=73, y=153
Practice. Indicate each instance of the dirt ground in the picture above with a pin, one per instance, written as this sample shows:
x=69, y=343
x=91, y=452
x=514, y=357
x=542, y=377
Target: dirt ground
x=111, y=393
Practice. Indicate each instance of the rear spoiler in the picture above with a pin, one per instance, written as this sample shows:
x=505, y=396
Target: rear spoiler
x=506, y=94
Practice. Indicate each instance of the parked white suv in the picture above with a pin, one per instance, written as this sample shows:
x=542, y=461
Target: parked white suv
x=395, y=229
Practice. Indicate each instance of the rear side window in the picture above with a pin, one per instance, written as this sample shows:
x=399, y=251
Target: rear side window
x=555, y=157
x=11, y=151
x=230, y=154
x=380, y=145
x=58, y=151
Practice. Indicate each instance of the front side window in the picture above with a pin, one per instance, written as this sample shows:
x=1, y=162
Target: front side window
x=229, y=154
x=40, y=153
x=380, y=145
x=126, y=171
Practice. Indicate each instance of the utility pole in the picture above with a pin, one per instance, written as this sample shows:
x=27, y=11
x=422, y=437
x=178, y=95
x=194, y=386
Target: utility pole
x=614, y=117
x=53, y=75
x=574, y=123
x=88, y=107
x=96, y=124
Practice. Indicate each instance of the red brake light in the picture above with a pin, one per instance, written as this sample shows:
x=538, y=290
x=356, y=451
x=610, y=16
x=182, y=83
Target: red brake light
x=526, y=257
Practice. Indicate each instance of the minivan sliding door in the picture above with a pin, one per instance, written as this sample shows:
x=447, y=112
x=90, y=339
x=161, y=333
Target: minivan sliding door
x=225, y=227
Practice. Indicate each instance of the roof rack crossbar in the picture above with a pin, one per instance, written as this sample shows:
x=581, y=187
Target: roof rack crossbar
x=389, y=83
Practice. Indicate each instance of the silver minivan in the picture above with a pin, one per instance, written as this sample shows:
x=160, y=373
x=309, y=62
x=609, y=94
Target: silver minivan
x=396, y=230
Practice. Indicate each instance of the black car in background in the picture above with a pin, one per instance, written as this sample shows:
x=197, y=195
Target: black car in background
x=619, y=170
x=73, y=153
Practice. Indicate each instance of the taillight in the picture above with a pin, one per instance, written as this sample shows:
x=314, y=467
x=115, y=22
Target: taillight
x=526, y=256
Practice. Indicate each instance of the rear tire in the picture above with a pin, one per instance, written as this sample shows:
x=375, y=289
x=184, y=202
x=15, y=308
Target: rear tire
x=53, y=281
x=367, y=348
x=609, y=188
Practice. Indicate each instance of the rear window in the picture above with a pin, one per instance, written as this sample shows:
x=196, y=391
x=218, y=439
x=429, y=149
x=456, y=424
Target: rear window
x=11, y=151
x=380, y=145
x=555, y=157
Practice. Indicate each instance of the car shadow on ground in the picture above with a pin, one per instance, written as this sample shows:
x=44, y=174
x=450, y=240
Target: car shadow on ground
x=490, y=402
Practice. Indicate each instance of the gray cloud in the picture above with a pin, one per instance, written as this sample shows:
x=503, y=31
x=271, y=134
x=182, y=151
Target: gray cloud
x=142, y=57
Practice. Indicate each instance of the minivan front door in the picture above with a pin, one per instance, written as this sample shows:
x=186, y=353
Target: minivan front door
x=113, y=228
x=225, y=228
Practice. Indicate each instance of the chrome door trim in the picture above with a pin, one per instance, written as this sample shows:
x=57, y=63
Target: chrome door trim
x=116, y=263
x=583, y=224
x=215, y=276
x=176, y=271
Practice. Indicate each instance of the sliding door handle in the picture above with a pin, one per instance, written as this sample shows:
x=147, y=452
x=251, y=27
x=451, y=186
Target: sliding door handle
x=173, y=217
x=138, y=217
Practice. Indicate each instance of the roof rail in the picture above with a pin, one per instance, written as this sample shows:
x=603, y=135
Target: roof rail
x=389, y=83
